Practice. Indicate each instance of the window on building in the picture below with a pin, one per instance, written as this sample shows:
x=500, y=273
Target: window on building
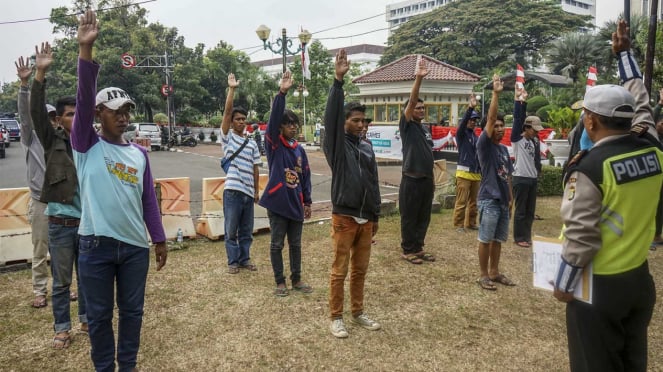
x=369, y=112
x=393, y=111
x=462, y=107
x=380, y=113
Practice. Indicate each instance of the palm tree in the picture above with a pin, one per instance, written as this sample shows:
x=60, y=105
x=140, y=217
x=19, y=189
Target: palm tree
x=573, y=53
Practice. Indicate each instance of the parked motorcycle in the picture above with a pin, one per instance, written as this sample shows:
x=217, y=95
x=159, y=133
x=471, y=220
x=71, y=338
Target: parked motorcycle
x=179, y=139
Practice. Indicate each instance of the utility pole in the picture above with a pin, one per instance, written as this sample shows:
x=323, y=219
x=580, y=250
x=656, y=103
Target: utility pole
x=651, y=45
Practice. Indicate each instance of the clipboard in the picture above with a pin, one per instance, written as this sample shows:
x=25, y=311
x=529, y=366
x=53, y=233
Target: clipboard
x=546, y=257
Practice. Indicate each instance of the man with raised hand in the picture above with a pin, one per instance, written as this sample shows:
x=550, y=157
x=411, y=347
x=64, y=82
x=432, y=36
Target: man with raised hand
x=468, y=174
x=242, y=186
x=495, y=197
x=415, y=195
x=355, y=198
x=60, y=190
x=34, y=157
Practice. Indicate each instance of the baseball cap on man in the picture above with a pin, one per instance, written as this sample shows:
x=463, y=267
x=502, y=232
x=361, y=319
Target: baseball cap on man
x=534, y=122
x=50, y=108
x=114, y=98
x=609, y=100
x=475, y=115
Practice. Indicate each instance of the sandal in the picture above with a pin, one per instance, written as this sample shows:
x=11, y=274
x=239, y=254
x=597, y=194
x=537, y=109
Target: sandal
x=84, y=328
x=39, y=302
x=412, y=258
x=233, y=269
x=61, y=340
x=281, y=291
x=426, y=256
x=73, y=296
x=302, y=287
x=523, y=244
x=502, y=279
x=487, y=284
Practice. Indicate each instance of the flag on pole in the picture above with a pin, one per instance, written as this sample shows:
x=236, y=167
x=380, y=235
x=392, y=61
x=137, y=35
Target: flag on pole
x=306, y=72
x=592, y=76
x=520, y=76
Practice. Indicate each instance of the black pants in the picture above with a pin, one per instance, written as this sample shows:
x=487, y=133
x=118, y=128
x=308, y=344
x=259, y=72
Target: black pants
x=611, y=334
x=281, y=227
x=415, y=198
x=524, y=194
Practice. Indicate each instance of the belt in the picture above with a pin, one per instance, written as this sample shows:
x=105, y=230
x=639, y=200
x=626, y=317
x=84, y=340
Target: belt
x=67, y=222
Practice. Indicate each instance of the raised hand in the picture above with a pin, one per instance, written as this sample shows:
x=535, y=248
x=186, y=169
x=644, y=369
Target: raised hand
x=23, y=69
x=498, y=85
x=232, y=83
x=421, y=69
x=286, y=82
x=620, y=39
x=473, y=101
x=44, y=56
x=88, y=28
x=341, y=64
x=520, y=94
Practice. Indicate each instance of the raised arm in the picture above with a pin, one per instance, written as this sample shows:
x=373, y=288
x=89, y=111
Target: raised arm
x=228, y=109
x=419, y=73
x=460, y=133
x=492, y=110
x=40, y=121
x=334, y=118
x=83, y=135
x=276, y=115
x=519, y=109
x=24, y=71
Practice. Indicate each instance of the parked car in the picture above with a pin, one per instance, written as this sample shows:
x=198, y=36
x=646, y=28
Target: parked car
x=14, y=129
x=144, y=130
x=2, y=144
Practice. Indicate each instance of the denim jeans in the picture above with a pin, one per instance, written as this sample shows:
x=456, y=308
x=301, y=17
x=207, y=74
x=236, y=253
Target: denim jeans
x=105, y=262
x=493, y=221
x=63, y=247
x=352, y=245
x=280, y=227
x=238, y=221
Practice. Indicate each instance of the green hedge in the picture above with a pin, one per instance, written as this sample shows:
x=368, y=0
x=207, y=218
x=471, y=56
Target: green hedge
x=550, y=182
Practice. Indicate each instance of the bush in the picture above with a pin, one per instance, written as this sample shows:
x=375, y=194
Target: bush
x=542, y=113
x=535, y=103
x=550, y=182
x=160, y=118
x=215, y=120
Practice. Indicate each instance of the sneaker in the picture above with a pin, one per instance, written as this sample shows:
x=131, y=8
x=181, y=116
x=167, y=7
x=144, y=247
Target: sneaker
x=366, y=322
x=337, y=328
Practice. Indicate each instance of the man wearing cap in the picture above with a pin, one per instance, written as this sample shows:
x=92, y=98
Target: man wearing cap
x=608, y=208
x=527, y=167
x=60, y=190
x=120, y=205
x=468, y=172
x=34, y=157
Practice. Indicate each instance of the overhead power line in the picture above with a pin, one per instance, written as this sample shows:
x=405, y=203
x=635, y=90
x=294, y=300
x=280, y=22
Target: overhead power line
x=74, y=14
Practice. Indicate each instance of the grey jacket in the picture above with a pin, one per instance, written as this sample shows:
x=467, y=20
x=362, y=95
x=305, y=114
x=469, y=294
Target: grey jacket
x=34, y=153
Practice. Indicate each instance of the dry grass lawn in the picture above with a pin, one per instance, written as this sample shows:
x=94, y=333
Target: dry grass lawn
x=434, y=316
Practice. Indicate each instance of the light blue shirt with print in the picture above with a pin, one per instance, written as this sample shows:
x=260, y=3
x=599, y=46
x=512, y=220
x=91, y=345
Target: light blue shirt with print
x=240, y=174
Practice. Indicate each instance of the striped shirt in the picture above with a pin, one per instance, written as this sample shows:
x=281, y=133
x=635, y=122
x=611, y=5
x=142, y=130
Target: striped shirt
x=240, y=174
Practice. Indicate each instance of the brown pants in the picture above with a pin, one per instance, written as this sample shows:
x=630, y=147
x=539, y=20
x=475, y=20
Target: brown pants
x=465, y=210
x=352, y=244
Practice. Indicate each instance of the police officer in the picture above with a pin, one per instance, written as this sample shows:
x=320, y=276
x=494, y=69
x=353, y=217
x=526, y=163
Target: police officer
x=609, y=207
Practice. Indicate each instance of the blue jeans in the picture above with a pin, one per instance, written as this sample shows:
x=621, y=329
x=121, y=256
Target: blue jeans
x=63, y=248
x=238, y=218
x=104, y=263
x=281, y=227
x=493, y=221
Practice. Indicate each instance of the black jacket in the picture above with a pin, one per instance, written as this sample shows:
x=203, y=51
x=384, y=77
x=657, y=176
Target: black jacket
x=355, y=189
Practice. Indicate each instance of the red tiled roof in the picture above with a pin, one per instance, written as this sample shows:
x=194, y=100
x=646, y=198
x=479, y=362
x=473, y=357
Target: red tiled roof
x=403, y=70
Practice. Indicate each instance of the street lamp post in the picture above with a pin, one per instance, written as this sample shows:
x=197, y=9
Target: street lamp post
x=283, y=44
x=302, y=93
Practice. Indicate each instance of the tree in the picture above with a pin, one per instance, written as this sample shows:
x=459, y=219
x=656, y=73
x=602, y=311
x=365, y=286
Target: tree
x=573, y=53
x=480, y=36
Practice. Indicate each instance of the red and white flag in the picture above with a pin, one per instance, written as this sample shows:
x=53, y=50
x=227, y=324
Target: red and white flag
x=592, y=76
x=520, y=76
x=306, y=62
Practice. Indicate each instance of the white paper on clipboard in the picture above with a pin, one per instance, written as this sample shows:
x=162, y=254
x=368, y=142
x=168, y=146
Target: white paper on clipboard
x=546, y=256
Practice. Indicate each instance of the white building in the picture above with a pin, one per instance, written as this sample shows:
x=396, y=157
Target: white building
x=366, y=55
x=400, y=12
x=641, y=7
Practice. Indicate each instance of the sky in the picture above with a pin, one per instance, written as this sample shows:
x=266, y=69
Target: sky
x=234, y=21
